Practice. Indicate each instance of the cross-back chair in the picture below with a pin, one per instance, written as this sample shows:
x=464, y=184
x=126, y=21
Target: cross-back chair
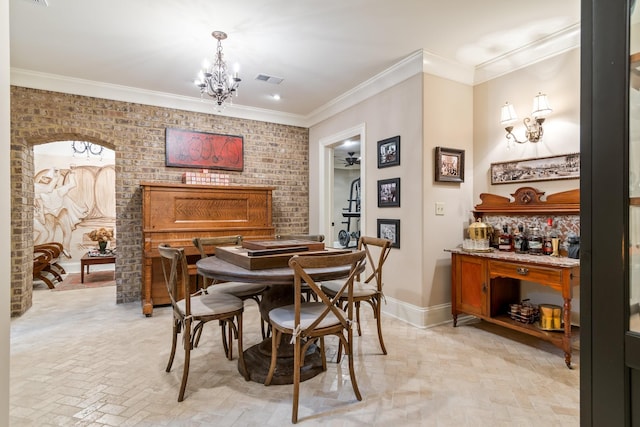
x=191, y=312
x=310, y=321
x=368, y=290
x=207, y=246
x=312, y=237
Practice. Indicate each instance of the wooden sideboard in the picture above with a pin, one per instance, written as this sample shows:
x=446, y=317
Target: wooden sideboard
x=176, y=213
x=484, y=284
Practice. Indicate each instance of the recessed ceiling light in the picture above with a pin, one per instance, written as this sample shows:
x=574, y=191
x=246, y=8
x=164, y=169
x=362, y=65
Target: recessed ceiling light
x=276, y=97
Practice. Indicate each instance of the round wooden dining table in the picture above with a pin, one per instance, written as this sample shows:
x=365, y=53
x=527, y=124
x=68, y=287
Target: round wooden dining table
x=279, y=292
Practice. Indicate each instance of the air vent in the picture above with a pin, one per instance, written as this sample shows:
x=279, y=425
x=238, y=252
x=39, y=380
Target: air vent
x=40, y=2
x=269, y=79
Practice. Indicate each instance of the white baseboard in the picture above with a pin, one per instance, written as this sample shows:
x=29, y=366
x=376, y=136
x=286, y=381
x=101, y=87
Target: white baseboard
x=426, y=317
x=420, y=317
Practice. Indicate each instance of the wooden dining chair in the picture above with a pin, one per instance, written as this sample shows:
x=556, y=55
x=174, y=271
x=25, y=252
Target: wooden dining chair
x=310, y=321
x=207, y=246
x=368, y=290
x=312, y=237
x=191, y=312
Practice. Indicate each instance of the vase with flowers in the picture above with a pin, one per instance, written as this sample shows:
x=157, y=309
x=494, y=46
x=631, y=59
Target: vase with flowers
x=102, y=235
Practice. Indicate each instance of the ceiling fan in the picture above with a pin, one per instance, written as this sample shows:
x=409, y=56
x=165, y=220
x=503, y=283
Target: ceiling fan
x=351, y=160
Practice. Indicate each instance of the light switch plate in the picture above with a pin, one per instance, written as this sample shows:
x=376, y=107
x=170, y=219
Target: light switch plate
x=439, y=208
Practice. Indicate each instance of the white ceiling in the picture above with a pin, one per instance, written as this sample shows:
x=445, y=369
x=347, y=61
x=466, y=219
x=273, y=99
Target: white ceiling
x=322, y=48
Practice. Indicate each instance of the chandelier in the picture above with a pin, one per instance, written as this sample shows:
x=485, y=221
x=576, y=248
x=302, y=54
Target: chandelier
x=82, y=147
x=214, y=80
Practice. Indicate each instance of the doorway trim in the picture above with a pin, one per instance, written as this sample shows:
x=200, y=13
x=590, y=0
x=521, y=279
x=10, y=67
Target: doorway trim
x=325, y=179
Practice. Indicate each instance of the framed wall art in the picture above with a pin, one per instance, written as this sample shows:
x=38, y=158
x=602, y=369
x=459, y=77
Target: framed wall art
x=390, y=229
x=566, y=166
x=202, y=150
x=389, y=152
x=389, y=193
x=449, y=165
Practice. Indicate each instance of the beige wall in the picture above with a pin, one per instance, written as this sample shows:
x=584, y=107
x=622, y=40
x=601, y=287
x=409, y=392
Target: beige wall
x=559, y=78
x=426, y=112
x=393, y=112
x=448, y=122
x=429, y=111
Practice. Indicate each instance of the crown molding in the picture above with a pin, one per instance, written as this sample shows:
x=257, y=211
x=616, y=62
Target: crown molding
x=417, y=62
x=425, y=62
x=74, y=86
x=545, y=48
x=407, y=67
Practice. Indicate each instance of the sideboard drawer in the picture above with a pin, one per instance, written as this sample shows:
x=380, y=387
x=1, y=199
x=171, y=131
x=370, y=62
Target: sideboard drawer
x=525, y=272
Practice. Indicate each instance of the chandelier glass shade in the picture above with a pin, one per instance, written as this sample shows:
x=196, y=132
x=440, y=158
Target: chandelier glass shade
x=214, y=80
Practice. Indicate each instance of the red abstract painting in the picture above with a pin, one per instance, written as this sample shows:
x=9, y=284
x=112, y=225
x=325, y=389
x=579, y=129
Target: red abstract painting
x=201, y=150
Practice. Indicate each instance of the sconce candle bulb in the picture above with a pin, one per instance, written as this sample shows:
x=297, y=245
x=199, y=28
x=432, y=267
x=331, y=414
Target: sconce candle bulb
x=533, y=124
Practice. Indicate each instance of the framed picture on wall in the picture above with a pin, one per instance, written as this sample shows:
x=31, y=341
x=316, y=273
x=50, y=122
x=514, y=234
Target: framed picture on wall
x=565, y=166
x=449, y=165
x=389, y=193
x=202, y=150
x=390, y=229
x=389, y=152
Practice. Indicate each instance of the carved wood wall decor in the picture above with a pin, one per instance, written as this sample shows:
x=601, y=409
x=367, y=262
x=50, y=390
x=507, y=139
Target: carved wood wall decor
x=529, y=200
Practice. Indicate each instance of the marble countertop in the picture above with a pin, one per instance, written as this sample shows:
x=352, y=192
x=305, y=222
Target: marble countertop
x=515, y=257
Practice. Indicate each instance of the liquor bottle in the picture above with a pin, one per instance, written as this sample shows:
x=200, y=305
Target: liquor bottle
x=524, y=249
x=518, y=237
x=504, y=241
x=547, y=240
x=535, y=242
x=555, y=241
x=547, y=247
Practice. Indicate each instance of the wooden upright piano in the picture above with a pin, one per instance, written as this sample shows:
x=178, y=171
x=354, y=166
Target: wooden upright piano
x=176, y=213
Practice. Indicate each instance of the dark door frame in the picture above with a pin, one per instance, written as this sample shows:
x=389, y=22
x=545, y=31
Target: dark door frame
x=604, y=140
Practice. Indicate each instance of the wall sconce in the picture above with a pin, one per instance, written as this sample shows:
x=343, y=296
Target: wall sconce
x=533, y=125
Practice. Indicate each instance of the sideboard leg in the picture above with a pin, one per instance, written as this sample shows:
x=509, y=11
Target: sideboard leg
x=567, y=360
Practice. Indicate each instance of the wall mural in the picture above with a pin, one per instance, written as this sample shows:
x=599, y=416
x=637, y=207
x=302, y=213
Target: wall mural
x=71, y=201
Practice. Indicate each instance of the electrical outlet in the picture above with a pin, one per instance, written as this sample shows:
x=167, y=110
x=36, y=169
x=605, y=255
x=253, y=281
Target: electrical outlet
x=439, y=208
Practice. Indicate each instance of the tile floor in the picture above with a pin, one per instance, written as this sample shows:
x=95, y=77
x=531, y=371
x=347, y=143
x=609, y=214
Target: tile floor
x=79, y=359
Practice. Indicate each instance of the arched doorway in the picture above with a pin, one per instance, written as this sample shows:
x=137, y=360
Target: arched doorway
x=74, y=194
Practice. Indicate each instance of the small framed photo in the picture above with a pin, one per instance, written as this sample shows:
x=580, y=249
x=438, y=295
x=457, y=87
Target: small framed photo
x=449, y=165
x=389, y=193
x=390, y=229
x=389, y=152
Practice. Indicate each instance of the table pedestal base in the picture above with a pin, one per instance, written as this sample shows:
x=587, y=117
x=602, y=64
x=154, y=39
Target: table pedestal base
x=258, y=359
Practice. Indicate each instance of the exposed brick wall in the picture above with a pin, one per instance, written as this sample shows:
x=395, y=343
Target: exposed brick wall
x=274, y=155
